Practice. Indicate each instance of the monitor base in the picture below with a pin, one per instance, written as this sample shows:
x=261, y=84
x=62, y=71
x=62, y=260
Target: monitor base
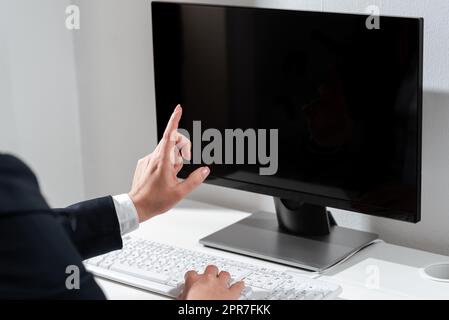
x=259, y=236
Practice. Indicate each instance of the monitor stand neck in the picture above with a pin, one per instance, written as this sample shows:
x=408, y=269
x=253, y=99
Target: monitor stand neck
x=303, y=219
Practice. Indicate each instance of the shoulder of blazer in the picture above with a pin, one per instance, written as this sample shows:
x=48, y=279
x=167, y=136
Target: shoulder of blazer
x=19, y=188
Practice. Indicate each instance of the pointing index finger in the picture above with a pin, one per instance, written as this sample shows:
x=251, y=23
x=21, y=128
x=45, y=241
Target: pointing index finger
x=173, y=122
x=168, y=141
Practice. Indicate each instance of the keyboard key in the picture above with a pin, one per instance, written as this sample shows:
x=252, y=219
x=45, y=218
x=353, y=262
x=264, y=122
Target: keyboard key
x=163, y=268
x=106, y=263
x=246, y=293
x=140, y=273
x=95, y=260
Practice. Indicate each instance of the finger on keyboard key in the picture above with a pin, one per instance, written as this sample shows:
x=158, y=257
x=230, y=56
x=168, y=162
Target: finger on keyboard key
x=246, y=293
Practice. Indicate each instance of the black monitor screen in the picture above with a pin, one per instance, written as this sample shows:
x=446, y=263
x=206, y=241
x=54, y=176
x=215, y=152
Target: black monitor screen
x=343, y=95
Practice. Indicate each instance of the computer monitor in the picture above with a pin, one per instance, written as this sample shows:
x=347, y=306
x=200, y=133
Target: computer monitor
x=315, y=109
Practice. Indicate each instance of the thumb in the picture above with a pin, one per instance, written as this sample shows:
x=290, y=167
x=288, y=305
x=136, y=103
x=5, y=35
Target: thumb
x=194, y=180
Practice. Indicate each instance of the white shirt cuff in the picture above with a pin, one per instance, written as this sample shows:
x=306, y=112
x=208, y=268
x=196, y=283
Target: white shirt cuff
x=126, y=213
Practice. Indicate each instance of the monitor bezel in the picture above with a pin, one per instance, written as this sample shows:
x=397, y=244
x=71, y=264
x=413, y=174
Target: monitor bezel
x=317, y=199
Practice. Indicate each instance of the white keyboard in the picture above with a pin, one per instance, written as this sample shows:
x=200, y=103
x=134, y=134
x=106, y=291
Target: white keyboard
x=160, y=268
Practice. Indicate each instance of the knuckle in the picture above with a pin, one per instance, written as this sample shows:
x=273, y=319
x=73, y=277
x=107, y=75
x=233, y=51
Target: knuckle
x=225, y=273
x=169, y=135
x=239, y=286
x=190, y=275
x=165, y=137
x=156, y=167
x=157, y=158
x=166, y=134
x=179, y=165
x=178, y=193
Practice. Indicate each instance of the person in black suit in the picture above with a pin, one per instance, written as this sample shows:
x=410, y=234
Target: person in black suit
x=37, y=243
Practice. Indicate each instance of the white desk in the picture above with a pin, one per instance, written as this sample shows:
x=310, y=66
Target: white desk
x=397, y=267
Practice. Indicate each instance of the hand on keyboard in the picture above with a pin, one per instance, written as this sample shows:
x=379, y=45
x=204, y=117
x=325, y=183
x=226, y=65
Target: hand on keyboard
x=161, y=268
x=211, y=285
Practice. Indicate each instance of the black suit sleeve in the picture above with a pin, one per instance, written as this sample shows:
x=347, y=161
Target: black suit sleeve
x=92, y=225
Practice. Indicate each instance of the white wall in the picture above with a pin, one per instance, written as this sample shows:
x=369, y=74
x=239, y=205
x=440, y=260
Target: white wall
x=115, y=81
x=38, y=96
